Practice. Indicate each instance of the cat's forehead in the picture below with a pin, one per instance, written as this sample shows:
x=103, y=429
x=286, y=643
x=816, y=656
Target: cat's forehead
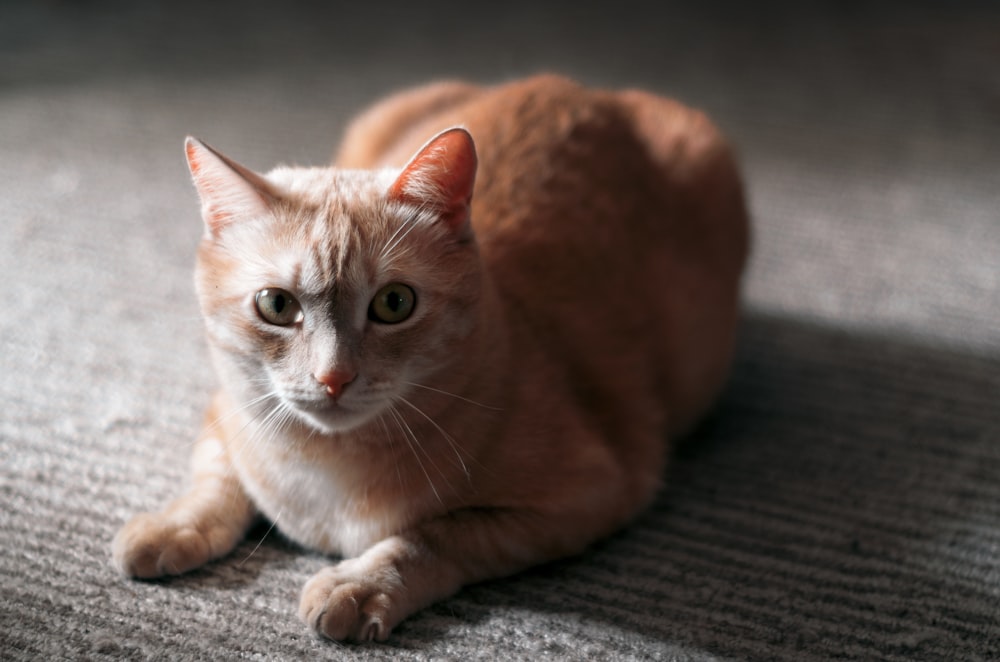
x=332, y=226
x=333, y=251
x=326, y=187
x=333, y=208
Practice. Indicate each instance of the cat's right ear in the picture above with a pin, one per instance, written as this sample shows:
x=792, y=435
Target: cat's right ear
x=228, y=191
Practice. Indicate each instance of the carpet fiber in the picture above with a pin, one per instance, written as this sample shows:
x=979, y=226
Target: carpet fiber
x=841, y=502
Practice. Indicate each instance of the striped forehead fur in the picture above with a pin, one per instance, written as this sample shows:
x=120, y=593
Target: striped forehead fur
x=330, y=226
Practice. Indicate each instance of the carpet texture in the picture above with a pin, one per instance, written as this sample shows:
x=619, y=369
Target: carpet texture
x=841, y=502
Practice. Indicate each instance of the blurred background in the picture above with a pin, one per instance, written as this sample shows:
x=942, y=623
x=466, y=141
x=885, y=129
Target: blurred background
x=846, y=114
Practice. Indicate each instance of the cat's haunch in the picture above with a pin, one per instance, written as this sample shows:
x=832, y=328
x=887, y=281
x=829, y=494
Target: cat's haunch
x=461, y=350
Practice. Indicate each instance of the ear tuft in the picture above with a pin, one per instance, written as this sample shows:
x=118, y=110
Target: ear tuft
x=441, y=175
x=228, y=191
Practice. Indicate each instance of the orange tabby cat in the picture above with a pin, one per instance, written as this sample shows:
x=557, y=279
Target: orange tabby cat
x=453, y=365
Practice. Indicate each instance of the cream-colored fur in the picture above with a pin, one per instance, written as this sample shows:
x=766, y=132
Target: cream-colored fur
x=574, y=259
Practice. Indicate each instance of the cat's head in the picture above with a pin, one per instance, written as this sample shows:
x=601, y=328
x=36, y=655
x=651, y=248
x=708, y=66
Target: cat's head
x=328, y=294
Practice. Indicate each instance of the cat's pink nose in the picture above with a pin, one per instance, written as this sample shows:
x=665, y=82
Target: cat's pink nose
x=335, y=381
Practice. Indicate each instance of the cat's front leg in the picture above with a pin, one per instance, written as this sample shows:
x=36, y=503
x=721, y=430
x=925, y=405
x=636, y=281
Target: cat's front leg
x=363, y=598
x=205, y=523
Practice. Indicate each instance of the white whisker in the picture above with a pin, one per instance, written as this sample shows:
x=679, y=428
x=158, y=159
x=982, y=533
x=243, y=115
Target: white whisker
x=265, y=416
x=385, y=247
x=420, y=447
x=400, y=423
x=388, y=437
x=411, y=222
x=266, y=424
x=457, y=397
x=397, y=242
x=274, y=421
x=451, y=440
x=237, y=410
x=260, y=542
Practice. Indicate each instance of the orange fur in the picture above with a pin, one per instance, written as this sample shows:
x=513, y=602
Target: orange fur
x=523, y=410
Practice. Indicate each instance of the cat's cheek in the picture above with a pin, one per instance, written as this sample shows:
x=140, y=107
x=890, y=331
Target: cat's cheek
x=231, y=334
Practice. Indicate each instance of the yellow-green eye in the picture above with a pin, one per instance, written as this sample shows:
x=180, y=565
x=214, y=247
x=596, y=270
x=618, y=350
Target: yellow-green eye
x=278, y=307
x=392, y=304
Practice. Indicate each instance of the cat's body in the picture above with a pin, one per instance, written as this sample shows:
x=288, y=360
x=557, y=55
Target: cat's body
x=521, y=407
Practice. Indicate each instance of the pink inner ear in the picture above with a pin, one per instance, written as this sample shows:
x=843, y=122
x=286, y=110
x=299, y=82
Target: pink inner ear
x=214, y=216
x=194, y=164
x=442, y=174
x=228, y=191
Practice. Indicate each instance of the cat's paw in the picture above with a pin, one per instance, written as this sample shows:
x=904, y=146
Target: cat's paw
x=352, y=601
x=153, y=545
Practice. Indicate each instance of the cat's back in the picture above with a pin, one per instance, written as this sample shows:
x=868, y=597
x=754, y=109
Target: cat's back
x=612, y=223
x=559, y=161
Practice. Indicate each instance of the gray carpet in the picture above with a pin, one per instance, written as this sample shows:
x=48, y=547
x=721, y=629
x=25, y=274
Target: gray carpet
x=842, y=503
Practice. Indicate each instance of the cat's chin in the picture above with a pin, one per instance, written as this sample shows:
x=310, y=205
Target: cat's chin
x=334, y=420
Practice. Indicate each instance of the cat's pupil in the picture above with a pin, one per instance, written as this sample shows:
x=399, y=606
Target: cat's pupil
x=392, y=304
x=279, y=303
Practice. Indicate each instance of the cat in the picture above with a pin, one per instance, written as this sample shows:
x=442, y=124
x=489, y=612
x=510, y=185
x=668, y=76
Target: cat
x=461, y=350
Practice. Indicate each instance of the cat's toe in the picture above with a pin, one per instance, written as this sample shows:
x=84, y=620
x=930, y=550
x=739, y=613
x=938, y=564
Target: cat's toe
x=345, y=608
x=148, y=547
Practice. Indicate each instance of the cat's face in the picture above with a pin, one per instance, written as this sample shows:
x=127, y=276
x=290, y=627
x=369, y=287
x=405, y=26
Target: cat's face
x=333, y=295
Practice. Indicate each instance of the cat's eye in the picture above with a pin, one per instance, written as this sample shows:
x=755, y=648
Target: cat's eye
x=392, y=304
x=278, y=307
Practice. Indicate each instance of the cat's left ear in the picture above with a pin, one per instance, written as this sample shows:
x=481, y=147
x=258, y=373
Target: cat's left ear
x=228, y=191
x=441, y=176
